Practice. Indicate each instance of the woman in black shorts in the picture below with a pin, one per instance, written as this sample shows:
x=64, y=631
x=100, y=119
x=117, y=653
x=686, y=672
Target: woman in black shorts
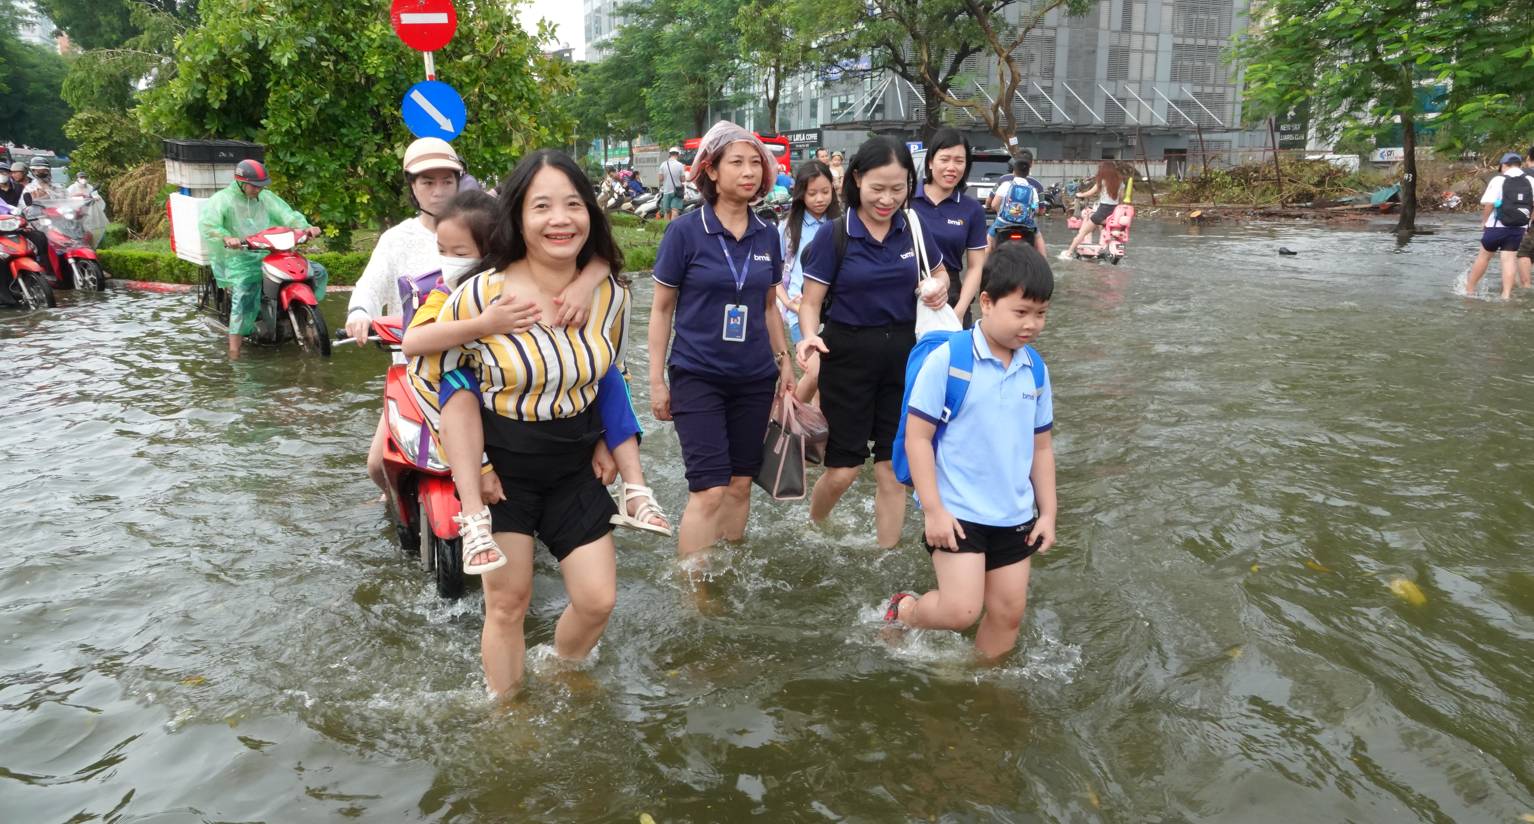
x=870, y=325
x=543, y=433
x=1106, y=186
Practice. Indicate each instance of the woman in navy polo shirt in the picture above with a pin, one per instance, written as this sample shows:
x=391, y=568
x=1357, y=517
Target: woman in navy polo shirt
x=954, y=220
x=717, y=273
x=870, y=325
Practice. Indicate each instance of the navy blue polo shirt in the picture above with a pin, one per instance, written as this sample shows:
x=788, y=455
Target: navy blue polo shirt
x=956, y=224
x=877, y=282
x=691, y=261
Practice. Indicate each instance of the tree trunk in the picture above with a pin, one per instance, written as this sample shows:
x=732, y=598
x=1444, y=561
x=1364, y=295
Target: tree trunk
x=773, y=98
x=934, y=107
x=1408, y=222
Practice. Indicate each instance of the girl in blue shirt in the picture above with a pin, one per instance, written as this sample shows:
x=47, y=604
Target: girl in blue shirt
x=716, y=276
x=814, y=205
x=870, y=325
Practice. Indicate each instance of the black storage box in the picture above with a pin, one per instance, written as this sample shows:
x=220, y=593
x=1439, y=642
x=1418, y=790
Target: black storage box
x=213, y=151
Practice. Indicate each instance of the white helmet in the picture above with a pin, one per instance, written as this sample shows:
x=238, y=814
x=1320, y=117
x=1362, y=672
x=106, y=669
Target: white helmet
x=431, y=153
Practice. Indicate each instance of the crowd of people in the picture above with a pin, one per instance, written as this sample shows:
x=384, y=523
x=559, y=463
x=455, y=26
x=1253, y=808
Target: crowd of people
x=518, y=360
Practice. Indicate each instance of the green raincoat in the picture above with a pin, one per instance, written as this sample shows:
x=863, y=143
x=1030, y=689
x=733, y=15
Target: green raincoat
x=230, y=213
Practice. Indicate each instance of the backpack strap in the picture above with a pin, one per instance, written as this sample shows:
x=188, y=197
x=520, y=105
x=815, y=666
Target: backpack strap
x=839, y=241
x=961, y=367
x=1036, y=363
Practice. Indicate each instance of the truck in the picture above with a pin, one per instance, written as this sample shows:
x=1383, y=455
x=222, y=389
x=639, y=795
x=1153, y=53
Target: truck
x=647, y=160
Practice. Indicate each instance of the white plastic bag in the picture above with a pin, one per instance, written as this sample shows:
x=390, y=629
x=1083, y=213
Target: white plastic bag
x=928, y=320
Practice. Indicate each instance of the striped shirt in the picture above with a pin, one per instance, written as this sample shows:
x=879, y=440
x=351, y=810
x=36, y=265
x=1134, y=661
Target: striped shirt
x=544, y=373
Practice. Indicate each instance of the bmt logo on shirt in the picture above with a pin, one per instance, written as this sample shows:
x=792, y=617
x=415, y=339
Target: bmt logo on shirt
x=766, y=258
x=952, y=222
x=909, y=254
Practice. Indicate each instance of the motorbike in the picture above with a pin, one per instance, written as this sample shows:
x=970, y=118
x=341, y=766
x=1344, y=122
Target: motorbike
x=1115, y=235
x=289, y=310
x=1052, y=199
x=647, y=205
x=71, y=251
x=25, y=281
x=422, y=498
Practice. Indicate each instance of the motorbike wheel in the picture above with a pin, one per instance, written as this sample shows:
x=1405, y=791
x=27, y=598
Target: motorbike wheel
x=309, y=328
x=97, y=274
x=409, y=535
x=85, y=276
x=442, y=557
x=35, y=291
x=1115, y=259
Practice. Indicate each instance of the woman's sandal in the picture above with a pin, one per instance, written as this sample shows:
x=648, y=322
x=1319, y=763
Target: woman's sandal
x=477, y=540
x=647, y=509
x=892, y=613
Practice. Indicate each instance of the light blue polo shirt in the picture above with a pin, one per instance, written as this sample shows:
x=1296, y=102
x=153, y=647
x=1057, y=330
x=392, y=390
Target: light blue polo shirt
x=807, y=229
x=986, y=454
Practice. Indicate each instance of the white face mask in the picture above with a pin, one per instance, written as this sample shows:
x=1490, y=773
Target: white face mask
x=455, y=269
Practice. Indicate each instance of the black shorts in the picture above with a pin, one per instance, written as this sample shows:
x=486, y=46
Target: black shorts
x=862, y=382
x=1502, y=238
x=545, y=470
x=1104, y=211
x=1001, y=545
x=720, y=425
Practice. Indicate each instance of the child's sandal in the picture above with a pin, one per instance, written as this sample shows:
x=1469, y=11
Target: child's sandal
x=892, y=614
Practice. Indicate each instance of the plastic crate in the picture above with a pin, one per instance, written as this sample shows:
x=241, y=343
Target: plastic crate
x=213, y=151
x=195, y=176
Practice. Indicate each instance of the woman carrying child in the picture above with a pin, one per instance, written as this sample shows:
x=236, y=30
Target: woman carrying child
x=716, y=277
x=813, y=206
x=870, y=325
x=539, y=411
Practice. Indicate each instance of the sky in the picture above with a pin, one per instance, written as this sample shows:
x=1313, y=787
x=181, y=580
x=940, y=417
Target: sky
x=565, y=13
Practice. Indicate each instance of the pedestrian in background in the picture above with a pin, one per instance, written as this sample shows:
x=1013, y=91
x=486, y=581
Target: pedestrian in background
x=671, y=175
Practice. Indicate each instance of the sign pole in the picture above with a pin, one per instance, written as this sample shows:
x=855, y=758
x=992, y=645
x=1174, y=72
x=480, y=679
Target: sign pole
x=431, y=67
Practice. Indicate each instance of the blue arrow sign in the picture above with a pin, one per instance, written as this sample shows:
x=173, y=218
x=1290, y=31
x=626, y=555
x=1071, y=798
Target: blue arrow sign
x=432, y=109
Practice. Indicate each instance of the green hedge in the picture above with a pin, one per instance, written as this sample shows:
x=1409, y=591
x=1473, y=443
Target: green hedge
x=113, y=235
x=125, y=264
x=344, y=269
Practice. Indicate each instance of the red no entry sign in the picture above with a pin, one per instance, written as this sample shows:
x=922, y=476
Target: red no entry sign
x=424, y=25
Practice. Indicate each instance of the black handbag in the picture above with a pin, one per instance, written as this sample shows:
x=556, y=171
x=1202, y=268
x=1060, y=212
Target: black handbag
x=782, y=474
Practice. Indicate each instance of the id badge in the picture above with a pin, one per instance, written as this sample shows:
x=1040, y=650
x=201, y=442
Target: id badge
x=735, y=323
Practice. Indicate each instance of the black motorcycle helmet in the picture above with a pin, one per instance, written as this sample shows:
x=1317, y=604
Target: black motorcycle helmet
x=252, y=172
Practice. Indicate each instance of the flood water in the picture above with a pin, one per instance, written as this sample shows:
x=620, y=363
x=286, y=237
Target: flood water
x=204, y=620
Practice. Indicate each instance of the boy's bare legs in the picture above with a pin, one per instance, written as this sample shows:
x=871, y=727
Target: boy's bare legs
x=959, y=596
x=1525, y=265
x=1509, y=272
x=1477, y=269
x=1006, y=597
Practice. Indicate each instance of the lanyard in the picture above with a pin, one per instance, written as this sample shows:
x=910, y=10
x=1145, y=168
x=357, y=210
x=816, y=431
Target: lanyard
x=740, y=277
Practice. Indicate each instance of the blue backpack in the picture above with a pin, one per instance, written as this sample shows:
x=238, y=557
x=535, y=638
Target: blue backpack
x=1019, y=205
x=961, y=363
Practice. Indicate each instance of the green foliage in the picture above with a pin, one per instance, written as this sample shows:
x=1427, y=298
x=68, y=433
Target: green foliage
x=156, y=267
x=31, y=76
x=778, y=39
x=319, y=82
x=625, y=220
x=669, y=62
x=110, y=145
x=1305, y=181
x=115, y=234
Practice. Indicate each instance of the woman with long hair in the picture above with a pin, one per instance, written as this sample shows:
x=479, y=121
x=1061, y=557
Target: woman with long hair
x=542, y=431
x=813, y=206
x=716, y=276
x=1107, y=186
x=870, y=325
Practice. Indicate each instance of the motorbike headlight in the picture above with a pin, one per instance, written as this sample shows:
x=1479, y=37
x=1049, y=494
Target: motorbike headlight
x=408, y=434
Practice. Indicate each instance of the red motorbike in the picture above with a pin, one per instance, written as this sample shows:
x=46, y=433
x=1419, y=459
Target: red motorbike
x=71, y=248
x=25, y=281
x=422, y=499
x=289, y=310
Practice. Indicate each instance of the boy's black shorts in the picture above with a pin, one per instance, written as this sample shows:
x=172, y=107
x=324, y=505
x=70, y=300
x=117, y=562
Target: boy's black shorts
x=1001, y=545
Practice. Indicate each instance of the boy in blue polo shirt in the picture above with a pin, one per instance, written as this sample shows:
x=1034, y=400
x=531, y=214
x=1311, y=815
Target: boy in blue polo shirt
x=980, y=482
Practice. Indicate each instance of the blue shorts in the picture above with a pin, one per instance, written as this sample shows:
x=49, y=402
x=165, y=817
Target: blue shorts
x=614, y=404
x=671, y=200
x=1502, y=238
x=720, y=426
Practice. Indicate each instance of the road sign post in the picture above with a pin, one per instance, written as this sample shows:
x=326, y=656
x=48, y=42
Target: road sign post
x=431, y=108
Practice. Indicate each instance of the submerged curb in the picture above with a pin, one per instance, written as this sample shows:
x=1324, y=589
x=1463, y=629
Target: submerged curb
x=155, y=286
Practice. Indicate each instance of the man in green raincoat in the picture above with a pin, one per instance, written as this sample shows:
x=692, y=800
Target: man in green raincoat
x=244, y=209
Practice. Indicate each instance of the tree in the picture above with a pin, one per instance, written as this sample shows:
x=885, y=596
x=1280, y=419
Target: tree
x=320, y=83
x=1003, y=39
x=31, y=76
x=777, y=38
x=104, y=24
x=924, y=42
x=1361, y=64
x=680, y=56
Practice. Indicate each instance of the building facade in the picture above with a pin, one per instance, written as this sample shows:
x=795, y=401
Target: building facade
x=601, y=20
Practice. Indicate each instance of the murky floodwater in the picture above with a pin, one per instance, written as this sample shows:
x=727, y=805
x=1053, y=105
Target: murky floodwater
x=203, y=621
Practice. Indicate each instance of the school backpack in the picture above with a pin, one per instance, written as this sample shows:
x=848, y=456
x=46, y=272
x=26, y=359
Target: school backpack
x=413, y=290
x=1020, y=204
x=961, y=364
x=1517, y=200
